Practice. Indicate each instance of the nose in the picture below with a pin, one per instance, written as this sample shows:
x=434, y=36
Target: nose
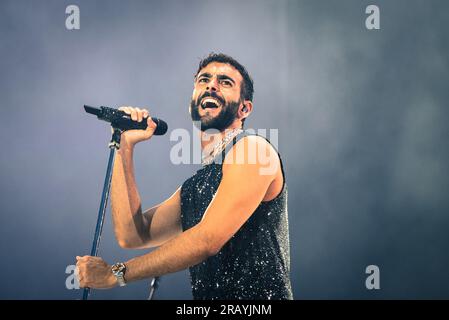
x=212, y=85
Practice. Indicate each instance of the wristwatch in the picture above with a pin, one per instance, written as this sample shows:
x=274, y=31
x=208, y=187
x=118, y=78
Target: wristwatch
x=118, y=270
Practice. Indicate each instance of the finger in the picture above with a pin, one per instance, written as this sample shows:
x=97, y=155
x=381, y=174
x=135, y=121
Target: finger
x=139, y=114
x=81, y=282
x=146, y=113
x=80, y=274
x=83, y=259
x=148, y=119
x=94, y=259
x=151, y=124
x=134, y=114
x=125, y=109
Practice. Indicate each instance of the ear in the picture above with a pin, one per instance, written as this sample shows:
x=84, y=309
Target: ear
x=245, y=109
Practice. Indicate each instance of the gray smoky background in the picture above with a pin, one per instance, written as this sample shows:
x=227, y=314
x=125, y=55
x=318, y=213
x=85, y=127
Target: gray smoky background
x=362, y=118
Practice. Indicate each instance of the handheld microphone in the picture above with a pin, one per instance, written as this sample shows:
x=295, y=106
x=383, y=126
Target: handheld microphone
x=121, y=120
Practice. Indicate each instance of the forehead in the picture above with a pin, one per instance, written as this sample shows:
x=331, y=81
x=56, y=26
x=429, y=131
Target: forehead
x=216, y=68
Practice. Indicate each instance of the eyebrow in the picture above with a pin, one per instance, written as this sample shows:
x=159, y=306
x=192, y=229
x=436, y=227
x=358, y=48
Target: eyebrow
x=220, y=77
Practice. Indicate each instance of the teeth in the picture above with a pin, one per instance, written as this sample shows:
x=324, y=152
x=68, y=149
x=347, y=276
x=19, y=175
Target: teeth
x=210, y=100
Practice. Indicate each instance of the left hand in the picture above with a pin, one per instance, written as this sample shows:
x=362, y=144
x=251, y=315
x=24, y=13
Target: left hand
x=95, y=273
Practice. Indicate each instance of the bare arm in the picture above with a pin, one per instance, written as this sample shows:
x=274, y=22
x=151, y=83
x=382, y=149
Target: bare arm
x=241, y=190
x=134, y=229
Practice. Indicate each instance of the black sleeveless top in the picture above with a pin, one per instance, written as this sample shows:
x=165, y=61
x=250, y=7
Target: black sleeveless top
x=255, y=262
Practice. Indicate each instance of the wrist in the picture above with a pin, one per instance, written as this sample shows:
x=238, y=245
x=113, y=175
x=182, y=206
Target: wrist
x=118, y=271
x=126, y=147
x=112, y=281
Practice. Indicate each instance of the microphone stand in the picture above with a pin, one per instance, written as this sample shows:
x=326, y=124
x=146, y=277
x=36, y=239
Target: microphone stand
x=120, y=122
x=114, y=145
x=154, y=284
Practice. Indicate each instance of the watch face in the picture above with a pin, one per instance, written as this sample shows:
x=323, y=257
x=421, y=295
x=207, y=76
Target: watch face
x=118, y=268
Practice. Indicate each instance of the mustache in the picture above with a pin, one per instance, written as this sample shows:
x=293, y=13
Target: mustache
x=211, y=95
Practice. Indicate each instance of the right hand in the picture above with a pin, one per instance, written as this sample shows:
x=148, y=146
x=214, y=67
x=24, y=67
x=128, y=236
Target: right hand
x=134, y=136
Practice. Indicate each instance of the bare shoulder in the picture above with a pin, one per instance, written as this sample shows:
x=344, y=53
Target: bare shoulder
x=253, y=151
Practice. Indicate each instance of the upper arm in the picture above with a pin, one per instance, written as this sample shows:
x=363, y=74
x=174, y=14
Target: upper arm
x=164, y=220
x=244, y=184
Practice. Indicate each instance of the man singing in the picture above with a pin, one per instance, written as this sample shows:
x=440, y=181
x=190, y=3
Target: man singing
x=228, y=223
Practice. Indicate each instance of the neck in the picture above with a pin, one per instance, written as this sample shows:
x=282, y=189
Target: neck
x=209, y=139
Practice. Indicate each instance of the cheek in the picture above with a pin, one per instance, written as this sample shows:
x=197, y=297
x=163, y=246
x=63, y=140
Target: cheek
x=195, y=94
x=231, y=96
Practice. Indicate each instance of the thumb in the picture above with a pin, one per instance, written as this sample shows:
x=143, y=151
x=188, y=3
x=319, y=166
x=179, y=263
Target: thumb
x=151, y=124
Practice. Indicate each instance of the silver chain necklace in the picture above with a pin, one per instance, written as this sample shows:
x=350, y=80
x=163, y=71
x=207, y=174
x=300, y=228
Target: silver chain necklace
x=220, y=146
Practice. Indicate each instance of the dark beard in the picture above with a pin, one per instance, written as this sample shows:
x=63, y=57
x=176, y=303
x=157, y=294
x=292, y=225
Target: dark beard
x=220, y=122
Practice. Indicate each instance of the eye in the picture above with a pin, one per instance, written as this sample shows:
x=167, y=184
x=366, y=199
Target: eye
x=203, y=80
x=226, y=83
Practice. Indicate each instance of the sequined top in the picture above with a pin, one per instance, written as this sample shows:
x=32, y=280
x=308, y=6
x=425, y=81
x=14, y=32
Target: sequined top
x=255, y=262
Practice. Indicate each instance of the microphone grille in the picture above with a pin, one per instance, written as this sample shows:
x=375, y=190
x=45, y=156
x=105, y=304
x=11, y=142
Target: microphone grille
x=161, y=128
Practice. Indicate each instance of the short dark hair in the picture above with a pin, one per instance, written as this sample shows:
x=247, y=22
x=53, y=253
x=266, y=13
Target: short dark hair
x=247, y=89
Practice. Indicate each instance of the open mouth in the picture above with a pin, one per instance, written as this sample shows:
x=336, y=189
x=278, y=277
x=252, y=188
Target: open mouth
x=210, y=103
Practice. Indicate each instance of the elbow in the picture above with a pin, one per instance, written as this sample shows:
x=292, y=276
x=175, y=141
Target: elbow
x=126, y=244
x=213, y=249
x=213, y=245
x=128, y=240
x=209, y=241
